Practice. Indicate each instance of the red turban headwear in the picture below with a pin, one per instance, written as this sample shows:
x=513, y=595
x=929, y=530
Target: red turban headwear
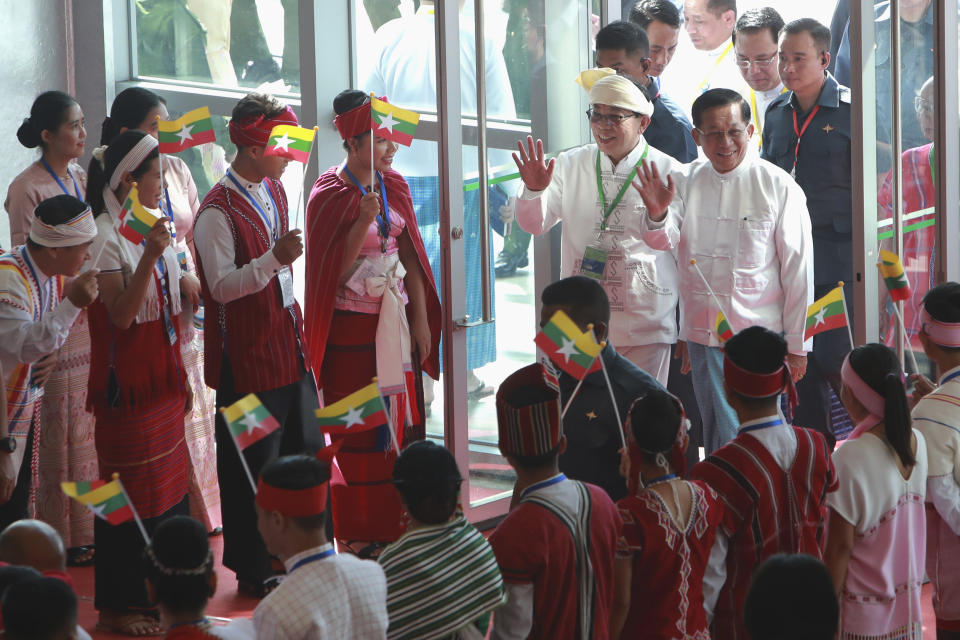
x=354, y=122
x=759, y=385
x=254, y=131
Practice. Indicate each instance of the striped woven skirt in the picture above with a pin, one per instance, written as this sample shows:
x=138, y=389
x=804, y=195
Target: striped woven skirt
x=148, y=449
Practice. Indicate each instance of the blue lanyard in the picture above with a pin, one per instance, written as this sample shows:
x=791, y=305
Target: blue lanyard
x=543, y=485
x=383, y=220
x=312, y=558
x=272, y=228
x=664, y=478
x=41, y=290
x=76, y=188
x=762, y=425
x=950, y=377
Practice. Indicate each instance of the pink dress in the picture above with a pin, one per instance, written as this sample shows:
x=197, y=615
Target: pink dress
x=64, y=451
x=199, y=424
x=881, y=595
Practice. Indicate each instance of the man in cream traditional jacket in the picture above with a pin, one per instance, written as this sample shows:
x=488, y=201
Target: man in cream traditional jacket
x=745, y=223
x=588, y=189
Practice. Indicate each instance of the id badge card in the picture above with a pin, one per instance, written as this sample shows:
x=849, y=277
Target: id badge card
x=168, y=325
x=594, y=262
x=285, y=277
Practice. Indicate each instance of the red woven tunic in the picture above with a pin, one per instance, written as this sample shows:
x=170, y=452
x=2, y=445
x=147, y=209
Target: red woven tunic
x=767, y=511
x=263, y=341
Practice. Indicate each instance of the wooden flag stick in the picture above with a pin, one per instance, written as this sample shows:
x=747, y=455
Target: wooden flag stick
x=576, y=390
x=303, y=183
x=903, y=327
x=393, y=436
x=613, y=400
x=171, y=227
x=846, y=315
x=716, y=300
x=133, y=510
x=243, y=460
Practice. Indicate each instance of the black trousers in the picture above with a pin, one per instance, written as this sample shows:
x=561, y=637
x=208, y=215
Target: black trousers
x=293, y=407
x=16, y=507
x=118, y=570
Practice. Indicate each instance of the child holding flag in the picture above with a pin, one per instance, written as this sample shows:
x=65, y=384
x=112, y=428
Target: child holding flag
x=139, y=108
x=138, y=388
x=372, y=309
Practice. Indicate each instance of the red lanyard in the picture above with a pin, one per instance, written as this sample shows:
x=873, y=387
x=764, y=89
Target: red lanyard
x=799, y=133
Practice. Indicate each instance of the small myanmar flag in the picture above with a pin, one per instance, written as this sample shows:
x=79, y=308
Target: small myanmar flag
x=826, y=314
x=105, y=499
x=722, y=327
x=289, y=141
x=892, y=271
x=135, y=220
x=249, y=421
x=572, y=350
x=360, y=411
x=392, y=122
x=189, y=130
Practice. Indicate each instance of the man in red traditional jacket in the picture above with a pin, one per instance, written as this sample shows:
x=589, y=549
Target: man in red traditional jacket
x=253, y=327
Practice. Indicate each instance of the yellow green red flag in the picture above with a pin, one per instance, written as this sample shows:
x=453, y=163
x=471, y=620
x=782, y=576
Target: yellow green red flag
x=572, y=350
x=189, y=130
x=722, y=327
x=290, y=141
x=825, y=314
x=393, y=123
x=106, y=499
x=362, y=410
x=135, y=220
x=894, y=276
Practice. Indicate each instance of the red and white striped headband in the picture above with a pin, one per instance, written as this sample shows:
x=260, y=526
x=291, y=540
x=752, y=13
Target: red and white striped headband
x=945, y=334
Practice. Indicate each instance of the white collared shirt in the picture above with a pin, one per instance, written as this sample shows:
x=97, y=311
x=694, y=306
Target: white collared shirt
x=779, y=440
x=213, y=240
x=749, y=232
x=340, y=596
x=21, y=339
x=640, y=282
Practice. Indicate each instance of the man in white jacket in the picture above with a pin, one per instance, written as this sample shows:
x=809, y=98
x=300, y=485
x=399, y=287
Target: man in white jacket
x=745, y=223
x=588, y=189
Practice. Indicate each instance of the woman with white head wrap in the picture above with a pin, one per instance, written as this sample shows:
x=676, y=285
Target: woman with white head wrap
x=588, y=189
x=138, y=388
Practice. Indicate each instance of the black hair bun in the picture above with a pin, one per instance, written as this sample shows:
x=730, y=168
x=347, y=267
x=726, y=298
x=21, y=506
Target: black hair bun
x=28, y=135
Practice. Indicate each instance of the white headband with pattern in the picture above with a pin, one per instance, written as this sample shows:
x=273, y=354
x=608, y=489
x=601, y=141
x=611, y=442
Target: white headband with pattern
x=132, y=160
x=75, y=231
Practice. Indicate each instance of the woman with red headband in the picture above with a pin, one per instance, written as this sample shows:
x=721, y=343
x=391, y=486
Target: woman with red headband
x=876, y=546
x=371, y=311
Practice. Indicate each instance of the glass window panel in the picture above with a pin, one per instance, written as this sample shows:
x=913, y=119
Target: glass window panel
x=238, y=43
x=913, y=239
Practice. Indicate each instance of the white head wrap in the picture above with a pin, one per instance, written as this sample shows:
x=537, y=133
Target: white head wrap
x=620, y=92
x=133, y=159
x=75, y=231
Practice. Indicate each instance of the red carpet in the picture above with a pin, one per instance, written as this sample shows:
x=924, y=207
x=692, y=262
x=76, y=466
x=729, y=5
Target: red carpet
x=228, y=604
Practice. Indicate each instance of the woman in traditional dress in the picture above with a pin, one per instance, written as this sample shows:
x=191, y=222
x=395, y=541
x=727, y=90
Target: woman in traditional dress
x=64, y=450
x=877, y=528
x=138, y=389
x=139, y=108
x=670, y=525
x=371, y=311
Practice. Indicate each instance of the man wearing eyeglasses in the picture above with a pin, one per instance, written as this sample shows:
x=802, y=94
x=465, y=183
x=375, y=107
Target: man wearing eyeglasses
x=624, y=47
x=745, y=223
x=755, y=43
x=588, y=189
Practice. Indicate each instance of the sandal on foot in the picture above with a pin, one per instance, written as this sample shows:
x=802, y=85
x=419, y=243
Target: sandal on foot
x=81, y=556
x=129, y=624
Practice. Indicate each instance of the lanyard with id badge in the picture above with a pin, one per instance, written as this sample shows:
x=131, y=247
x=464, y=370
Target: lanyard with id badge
x=284, y=275
x=595, y=256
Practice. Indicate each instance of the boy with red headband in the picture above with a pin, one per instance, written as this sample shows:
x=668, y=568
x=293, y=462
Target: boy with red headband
x=254, y=328
x=937, y=417
x=557, y=545
x=772, y=478
x=324, y=595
